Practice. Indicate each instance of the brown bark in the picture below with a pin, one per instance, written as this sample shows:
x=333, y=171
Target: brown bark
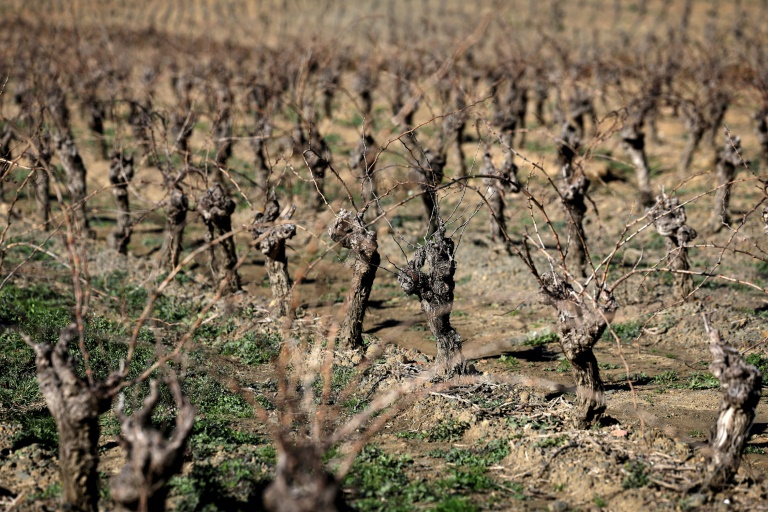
x=301, y=484
x=151, y=459
x=669, y=219
x=349, y=231
x=272, y=236
x=581, y=323
x=140, y=120
x=317, y=158
x=6, y=136
x=216, y=209
x=182, y=126
x=497, y=182
x=761, y=130
x=696, y=126
x=574, y=192
x=633, y=142
x=120, y=175
x=176, y=207
x=741, y=385
x=94, y=109
x=435, y=292
x=74, y=168
x=580, y=106
x=259, y=145
x=40, y=160
x=75, y=405
x=727, y=163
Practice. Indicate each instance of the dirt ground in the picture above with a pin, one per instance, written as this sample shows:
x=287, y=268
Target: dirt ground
x=502, y=440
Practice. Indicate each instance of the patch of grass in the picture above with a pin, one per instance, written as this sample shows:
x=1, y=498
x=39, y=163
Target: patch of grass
x=608, y=366
x=666, y=378
x=696, y=433
x=562, y=366
x=455, y=504
x=213, y=400
x=447, y=430
x=510, y=362
x=550, y=442
x=636, y=475
x=626, y=332
x=751, y=448
x=599, y=502
x=761, y=362
x=51, y=492
x=538, y=340
x=702, y=380
x=173, y=310
x=379, y=481
x=210, y=436
x=492, y=453
x=466, y=479
x=253, y=348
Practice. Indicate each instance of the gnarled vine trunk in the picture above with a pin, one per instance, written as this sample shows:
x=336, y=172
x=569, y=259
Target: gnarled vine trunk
x=349, y=231
x=497, y=182
x=741, y=384
x=435, y=292
x=271, y=236
x=301, y=483
x=74, y=168
x=151, y=459
x=176, y=206
x=574, y=192
x=75, y=405
x=669, y=219
x=727, y=163
x=581, y=323
x=120, y=175
x=216, y=209
x=633, y=142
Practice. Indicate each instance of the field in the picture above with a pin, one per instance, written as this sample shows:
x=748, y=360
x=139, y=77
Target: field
x=230, y=199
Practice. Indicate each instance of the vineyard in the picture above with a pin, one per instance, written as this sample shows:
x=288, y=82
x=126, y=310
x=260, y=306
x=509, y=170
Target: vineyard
x=400, y=255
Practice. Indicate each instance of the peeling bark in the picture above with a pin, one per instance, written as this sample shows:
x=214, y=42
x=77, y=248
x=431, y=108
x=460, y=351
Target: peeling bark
x=75, y=405
x=349, y=231
x=574, y=192
x=176, y=207
x=741, y=385
x=727, y=163
x=151, y=459
x=120, y=175
x=272, y=237
x=669, y=219
x=435, y=292
x=633, y=142
x=262, y=132
x=581, y=322
x=216, y=209
x=497, y=182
